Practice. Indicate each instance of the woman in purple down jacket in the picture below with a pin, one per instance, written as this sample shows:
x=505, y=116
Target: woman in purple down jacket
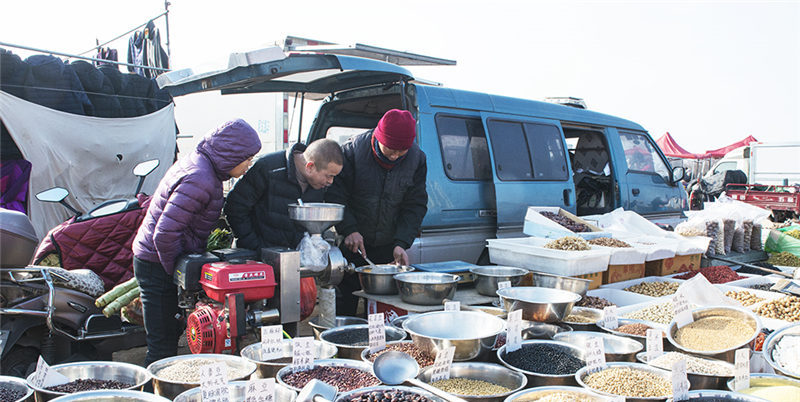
x=182, y=212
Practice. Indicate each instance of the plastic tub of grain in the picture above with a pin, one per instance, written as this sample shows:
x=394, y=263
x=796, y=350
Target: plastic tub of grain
x=343, y=374
x=772, y=387
x=174, y=375
x=14, y=389
x=556, y=393
x=478, y=381
x=701, y=372
x=268, y=368
x=635, y=381
x=90, y=376
x=716, y=332
x=236, y=393
x=544, y=362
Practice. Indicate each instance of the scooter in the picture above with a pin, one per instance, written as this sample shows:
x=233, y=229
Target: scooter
x=40, y=317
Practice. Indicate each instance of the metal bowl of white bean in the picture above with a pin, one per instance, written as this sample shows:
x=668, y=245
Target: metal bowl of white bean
x=637, y=382
x=174, y=375
x=715, y=332
x=237, y=392
x=702, y=373
x=779, y=357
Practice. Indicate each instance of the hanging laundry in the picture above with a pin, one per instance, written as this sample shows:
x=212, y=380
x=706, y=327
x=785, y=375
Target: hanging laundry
x=106, y=53
x=144, y=49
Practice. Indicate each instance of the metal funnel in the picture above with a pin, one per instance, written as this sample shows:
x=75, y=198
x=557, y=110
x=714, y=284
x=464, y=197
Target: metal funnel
x=316, y=217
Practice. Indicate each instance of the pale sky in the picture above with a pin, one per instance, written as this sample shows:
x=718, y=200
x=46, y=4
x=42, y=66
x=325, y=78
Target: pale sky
x=710, y=73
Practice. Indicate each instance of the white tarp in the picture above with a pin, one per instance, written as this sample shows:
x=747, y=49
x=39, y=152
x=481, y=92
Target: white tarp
x=92, y=157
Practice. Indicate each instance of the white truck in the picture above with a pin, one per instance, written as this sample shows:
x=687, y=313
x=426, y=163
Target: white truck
x=764, y=163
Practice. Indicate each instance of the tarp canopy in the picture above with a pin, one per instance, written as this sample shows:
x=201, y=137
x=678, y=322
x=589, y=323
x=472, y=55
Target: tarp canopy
x=719, y=153
x=673, y=150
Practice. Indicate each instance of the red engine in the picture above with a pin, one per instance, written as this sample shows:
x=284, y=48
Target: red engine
x=209, y=328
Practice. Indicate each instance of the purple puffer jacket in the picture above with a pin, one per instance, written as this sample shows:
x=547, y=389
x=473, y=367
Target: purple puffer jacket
x=188, y=201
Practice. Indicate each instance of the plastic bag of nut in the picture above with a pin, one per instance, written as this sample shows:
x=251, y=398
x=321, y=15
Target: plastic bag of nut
x=738, y=240
x=747, y=226
x=712, y=231
x=755, y=238
x=729, y=226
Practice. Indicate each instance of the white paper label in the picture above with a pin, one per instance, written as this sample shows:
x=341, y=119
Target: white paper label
x=741, y=370
x=452, y=306
x=441, y=366
x=302, y=353
x=214, y=382
x=514, y=331
x=680, y=384
x=595, y=354
x=260, y=390
x=610, y=317
x=377, y=332
x=372, y=306
x=680, y=305
x=45, y=377
x=655, y=343
x=503, y=285
x=271, y=342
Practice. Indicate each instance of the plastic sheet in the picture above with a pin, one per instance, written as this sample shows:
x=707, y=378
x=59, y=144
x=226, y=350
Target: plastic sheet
x=313, y=251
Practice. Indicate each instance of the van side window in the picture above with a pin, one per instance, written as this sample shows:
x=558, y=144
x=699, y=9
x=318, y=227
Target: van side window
x=641, y=155
x=527, y=151
x=725, y=166
x=464, y=149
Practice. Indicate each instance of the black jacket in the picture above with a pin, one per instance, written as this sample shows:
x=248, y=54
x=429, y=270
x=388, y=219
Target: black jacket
x=257, y=207
x=385, y=206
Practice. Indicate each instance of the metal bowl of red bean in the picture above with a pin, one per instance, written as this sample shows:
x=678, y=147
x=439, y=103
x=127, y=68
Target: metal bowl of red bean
x=634, y=329
x=14, y=389
x=423, y=359
x=344, y=374
x=392, y=393
x=93, y=375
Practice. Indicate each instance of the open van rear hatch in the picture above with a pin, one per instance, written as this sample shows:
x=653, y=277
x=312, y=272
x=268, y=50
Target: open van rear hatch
x=314, y=75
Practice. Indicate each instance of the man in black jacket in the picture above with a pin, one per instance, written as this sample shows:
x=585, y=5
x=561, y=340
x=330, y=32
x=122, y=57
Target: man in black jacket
x=257, y=207
x=382, y=187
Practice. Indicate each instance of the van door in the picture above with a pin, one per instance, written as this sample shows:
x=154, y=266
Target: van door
x=529, y=167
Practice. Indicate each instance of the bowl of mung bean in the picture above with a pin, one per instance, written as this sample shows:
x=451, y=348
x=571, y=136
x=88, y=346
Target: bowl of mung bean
x=781, y=350
x=635, y=381
x=556, y=393
x=701, y=372
x=583, y=318
x=717, y=396
x=174, y=375
x=111, y=395
x=14, y=389
x=350, y=340
x=716, y=332
x=478, y=381
x=473, y=333
x=772, y=387
x=237, y=391
x=393, y=393
x=544, y=362
x=537, y=303
x=343, y=374
x=92, y=375
x=617, y=348
x=268, y=368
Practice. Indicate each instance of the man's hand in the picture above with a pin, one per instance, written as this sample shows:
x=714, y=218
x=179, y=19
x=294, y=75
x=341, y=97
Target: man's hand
x=355, y=243
x=400, y=256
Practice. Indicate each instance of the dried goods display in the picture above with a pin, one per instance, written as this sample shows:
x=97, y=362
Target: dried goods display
x=794, y=233
x=544, y=359
x=609, y=242
x=715, y=274
x=694, y=364
x=654, y=289
x=762, y=286
x=786, y=309
x=189, y=370
x=394, y=395
x=728, y=226
x=714, y=333
x=747, y=226
x=568, y=243
x=594, y=302
x=755, y=238
x=630, y=382
x=744, y=297
x=566, y=222
x=785, y=352
x=470, y=387
x=713, y=232
x=638, y=329
x=581, y=317
x=9, y=395
x=690, y=231
x=555, y=396
x=661, y=313
x=343, y=378
x=408, y=348
x=88, y=384
x=738, y=240
x=784, y=258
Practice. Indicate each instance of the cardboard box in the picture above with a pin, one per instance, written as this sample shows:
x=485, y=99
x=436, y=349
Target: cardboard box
x=623, y=272
x=596, y=278
x=667, y=266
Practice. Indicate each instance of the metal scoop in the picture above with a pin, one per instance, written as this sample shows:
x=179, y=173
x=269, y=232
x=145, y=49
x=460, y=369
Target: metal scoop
x=371, y=265
x=394, y=368
x=316, y=391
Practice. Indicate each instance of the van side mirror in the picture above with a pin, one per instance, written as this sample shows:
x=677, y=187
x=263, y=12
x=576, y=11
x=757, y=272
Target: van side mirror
x=678, y=173
x=144, y=168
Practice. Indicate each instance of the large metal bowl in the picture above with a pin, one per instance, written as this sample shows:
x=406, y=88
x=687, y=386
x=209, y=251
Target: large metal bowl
x=541, y=392
x=568, y=283
x=237, y=390
x=347, y=396
x=365, y=355
x=350, y=351
x=703, y=312
x=472, y=333
x=667, y=347
x=111, y=395
x=325, y=362
x=340, y=321
x=426, y=288
x=495, y=311
x=584, y=372
x=698, y=380
x=768, y=380
x=769, y=348
x=594, y=315
x=172, y=388
x=268, y=368
x=19, y=385
x=539, y=304
x=542, y=330
x=717, y=396
x=541, y=379
x=487, y=278
x=493, y=373
x=98, y=370
x=379, y=280
x=618, y=348
x=316, y=217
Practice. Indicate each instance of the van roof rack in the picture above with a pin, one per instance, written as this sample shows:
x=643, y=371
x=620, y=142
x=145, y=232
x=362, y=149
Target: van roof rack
x=567, y=101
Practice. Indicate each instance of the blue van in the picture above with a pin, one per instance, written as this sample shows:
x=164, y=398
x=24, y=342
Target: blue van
x=489, y=156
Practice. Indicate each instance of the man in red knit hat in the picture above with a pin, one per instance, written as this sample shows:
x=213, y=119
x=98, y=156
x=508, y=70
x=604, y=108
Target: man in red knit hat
x=382, y=186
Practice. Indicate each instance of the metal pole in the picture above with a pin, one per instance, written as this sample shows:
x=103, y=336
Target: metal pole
x=72, y=56
x=166, y=19
x=119, y=36
x=300, y=126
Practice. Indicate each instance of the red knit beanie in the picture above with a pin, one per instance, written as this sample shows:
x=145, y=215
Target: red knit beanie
x=396, y=130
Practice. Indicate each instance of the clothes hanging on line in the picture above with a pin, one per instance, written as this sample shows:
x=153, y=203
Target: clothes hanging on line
x=106, y=53
x=144, y=49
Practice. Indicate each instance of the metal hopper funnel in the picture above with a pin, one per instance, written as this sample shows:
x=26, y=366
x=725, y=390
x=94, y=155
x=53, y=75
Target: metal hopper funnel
x=316, y=217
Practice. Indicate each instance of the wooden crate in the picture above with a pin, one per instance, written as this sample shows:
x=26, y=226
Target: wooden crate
x=623, y=272
x=668, y=266
x=596, y=278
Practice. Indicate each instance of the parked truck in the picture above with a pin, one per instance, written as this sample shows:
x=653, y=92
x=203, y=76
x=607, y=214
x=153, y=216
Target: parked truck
x=768, y=163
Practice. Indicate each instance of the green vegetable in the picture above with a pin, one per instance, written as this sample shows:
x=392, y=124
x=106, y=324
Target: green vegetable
x=219, y=238
x=116, y=292
x=121, y=302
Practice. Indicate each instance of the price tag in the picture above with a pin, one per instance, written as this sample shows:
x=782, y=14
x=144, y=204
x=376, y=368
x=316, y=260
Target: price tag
x=655, y=343
x=441, y=366
x=610, y=317
x=214, y=382
x=302, y=353
x=45, y=377
x=741, y=370
x=681, y=308
x=452, y=306
x=503, y=285
x=514, y=331
x=595, y=354
x=271, y=342
x=680, y=384
x=377, y=332
x=260, y=390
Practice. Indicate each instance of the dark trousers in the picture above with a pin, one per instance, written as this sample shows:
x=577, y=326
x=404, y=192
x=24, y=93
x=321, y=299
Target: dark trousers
x=346, y=303
x=160, y=306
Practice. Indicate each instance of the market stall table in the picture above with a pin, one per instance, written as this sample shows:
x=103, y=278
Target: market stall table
x=467, y=297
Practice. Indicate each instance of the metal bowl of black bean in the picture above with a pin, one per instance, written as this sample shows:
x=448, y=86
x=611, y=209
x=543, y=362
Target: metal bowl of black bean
x=268, y=368
x=476, y=382
x=350, y=340
x=392, y=393
x=544, y=362
x=14, y=389
x=92, y=375
x=237, y=392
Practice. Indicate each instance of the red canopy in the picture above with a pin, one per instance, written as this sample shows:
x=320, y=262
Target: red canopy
x=719, y=153
x=672, y=149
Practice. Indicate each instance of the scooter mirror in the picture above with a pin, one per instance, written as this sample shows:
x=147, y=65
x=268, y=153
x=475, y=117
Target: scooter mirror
x=55, y=194
x=144, y=168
